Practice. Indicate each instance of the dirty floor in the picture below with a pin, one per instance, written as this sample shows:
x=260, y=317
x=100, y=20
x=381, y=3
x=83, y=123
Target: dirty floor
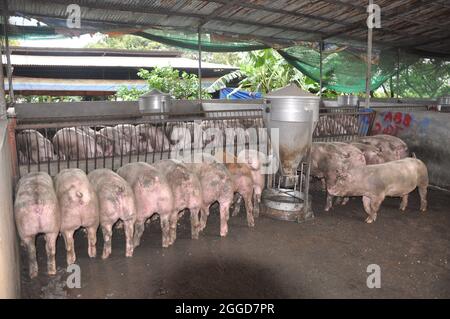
x=323, y=258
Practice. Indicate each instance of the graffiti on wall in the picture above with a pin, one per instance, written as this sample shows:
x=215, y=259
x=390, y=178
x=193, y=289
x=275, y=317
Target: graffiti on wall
x=392, y=123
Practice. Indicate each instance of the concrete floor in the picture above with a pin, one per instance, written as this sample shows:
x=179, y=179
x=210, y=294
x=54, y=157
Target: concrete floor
x=323, y=258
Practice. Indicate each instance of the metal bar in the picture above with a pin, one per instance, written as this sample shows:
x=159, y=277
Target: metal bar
x=8, y=52
x=2, y=93
x=398, y=73
x=199, y=31
x=369, y=62
x=321, y=66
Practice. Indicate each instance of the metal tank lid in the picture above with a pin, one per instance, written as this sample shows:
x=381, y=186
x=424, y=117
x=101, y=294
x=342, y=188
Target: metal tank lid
x=154, y=92
x=291, y=91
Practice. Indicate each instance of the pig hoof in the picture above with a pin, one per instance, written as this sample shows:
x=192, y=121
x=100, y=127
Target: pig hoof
x=105, y=256
x=129, y=254
x=33, y=274
x=369, y=220
x=51, y=272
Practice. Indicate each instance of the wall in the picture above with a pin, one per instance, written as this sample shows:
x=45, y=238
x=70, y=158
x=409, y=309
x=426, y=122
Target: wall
x=9, y=258
x=427, y=134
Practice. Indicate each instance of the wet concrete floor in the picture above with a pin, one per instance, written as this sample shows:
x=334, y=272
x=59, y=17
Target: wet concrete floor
x=323, y=258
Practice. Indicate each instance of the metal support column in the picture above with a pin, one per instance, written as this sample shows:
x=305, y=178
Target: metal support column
x=397, y=86
x=8, y=52
x=2, y=94
x=320, y=65
x=369, y=62
x=200, y=63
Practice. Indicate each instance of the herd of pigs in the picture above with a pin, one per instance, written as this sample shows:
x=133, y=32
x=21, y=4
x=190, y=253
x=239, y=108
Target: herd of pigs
x=74, y=143
x=370, y=167
x=133, y=194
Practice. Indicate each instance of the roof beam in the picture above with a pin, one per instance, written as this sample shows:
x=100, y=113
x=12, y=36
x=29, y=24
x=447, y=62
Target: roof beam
x=200, y=17
x=251, y=5
x=360, y=25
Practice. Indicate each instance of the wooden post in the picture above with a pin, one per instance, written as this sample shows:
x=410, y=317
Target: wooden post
x=369, y=62
x=200, y=63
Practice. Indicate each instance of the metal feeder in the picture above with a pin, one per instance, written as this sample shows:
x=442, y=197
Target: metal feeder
x=295, y=114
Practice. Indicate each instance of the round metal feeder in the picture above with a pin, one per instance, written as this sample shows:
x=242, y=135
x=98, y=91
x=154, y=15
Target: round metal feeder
x=285, y=204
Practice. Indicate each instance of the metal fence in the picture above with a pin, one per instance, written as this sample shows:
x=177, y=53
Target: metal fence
x=89, y=144
x=68, y=143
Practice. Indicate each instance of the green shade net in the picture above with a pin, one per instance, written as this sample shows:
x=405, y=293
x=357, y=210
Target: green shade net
x=343, y=67
x=209, y=42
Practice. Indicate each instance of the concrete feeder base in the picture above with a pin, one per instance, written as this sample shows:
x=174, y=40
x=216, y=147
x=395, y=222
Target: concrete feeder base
x=285, y=204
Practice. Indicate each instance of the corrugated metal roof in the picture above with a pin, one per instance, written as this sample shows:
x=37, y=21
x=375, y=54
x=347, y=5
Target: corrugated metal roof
x=410, y=24
x=112, y=61
x=80, y=85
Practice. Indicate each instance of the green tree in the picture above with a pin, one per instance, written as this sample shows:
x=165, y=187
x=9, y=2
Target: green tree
x=167, y=80
x=264, y=71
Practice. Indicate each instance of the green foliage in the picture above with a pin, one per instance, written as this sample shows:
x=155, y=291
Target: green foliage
x=46, y=99
x=427, y=78
x=264, y=71
x=166, y=80
x=127, y=42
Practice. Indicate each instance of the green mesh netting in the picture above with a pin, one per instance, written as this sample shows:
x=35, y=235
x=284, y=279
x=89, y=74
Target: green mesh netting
x=31, y=32
x=344, y=68
x=209, y=42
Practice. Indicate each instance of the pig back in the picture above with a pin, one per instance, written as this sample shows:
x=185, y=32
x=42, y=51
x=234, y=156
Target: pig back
x=184, y=183
x=36, y=207
x=115, y=196
x=151, y=189
x=77, y=198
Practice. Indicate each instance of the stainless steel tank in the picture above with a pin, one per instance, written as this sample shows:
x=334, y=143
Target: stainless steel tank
x=155, y=101
x=295, y=114
x=291, y=110
x=347, y=100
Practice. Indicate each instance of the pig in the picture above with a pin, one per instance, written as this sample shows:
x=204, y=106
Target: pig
x=33, y=147
x=254, y=161
x=116, y=201
x=327, y=158
x=36, y=210
x=392, y=148
x=242, y=182
x=375, y=182
x=155, y=136
x=186, y=189
x=153, y=195
x=372, y=154
x=132, y=139
x=73, y=143
x=79, y=208
x=217, y=186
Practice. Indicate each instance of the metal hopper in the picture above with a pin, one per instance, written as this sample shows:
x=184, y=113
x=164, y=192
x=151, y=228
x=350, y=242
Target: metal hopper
x=295, y=114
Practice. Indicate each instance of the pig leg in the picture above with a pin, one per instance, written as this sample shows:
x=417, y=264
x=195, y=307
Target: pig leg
x=129, y=228
x=423, y=198
x=404, y=202
x=204, y=213
x=165, y=229
x=70, y=249
x=29, y=243
x=92, y=240
x=345, y=201
x=329, y=202
x=224, y=214
x=256, y=201
x=237, y=205
x=107, y=235
x=367, y=208
x=173, y=227
x=195, y=227
x=50, y=248
x=138, y=231
x=249, y=209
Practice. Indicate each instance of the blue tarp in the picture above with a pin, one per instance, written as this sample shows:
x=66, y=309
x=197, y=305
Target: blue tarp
x=239, y=95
